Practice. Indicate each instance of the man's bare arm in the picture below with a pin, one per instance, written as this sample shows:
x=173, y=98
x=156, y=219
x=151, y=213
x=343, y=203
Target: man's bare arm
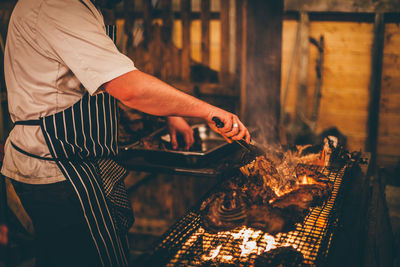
x=148, y=94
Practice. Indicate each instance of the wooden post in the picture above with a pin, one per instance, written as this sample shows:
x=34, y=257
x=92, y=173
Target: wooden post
x=129, y=8
x=301, y=105
x=239, y=33
x=205, y=32
x=147, y=21
x=167, y=17
x=224, y=17
x=243, y=51
x=185, y=11
x=375, y=86
x=263, y=61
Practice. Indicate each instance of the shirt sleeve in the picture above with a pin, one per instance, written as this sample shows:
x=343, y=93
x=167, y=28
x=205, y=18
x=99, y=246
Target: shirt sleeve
x=74, y=34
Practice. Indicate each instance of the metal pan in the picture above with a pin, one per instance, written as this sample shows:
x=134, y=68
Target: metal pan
x=208, y=147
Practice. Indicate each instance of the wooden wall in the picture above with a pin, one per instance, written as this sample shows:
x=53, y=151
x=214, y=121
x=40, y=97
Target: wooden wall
x=345, y=82
x=389, y=111
x=345, y=76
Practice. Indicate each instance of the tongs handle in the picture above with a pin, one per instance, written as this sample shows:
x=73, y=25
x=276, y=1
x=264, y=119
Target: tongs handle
x=220, y=124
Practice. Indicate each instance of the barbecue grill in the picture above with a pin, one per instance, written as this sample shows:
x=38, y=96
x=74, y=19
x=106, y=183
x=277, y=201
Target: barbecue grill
x=187, y=243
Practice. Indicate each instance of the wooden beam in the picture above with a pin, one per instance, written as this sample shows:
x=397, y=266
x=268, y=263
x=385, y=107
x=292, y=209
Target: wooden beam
x=243, y=65
x=147, y=21
x=302, y=75
x=224, y=14
x=375, y=87
x=368, y=6
x=167, y=17
x=15, y=205
x=185, y=10
x=205, y=32
x=263, y=61
x=239, y=37
x=129, y=9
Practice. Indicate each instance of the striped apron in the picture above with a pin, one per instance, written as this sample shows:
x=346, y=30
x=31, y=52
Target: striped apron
x=83, y=141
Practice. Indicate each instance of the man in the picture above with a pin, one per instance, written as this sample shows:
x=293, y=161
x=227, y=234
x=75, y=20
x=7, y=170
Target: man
x=63, y=74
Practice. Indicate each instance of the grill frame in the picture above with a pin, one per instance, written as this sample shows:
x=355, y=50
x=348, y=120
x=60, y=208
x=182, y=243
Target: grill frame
x=169, y=250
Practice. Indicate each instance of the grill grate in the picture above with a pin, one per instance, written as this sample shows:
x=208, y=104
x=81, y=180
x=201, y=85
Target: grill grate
x=188, y=244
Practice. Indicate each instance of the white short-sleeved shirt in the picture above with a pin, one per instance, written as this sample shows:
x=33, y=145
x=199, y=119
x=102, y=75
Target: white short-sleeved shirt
x=56, y=51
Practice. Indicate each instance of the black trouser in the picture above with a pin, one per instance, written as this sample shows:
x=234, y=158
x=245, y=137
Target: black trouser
x=61, y=232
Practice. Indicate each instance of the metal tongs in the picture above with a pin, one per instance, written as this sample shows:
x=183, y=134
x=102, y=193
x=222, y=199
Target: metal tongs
x=252, y=149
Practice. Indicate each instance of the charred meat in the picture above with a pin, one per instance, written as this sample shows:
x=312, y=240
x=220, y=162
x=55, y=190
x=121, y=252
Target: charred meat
x=282, y=256
x=267, y=219
x=304, y=197
x=261, y=199
x=224, y=211
x=303, y=170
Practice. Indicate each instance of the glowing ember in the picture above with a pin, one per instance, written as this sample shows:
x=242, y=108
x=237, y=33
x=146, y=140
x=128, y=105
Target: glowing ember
x=212, y=254
x=250, y=242
x=306, y=180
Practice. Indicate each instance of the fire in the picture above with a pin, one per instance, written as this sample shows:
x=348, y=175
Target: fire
x=306, y=180
x=249, y=241
x=212, y=254
x=249, y=245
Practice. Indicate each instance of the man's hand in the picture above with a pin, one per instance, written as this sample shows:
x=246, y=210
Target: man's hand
x=178, y=126
x=233, y=128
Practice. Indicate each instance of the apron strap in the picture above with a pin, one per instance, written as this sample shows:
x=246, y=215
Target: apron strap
x=30, y=154
x=28, y=122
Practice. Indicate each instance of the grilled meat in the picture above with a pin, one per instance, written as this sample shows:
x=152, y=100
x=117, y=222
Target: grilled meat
x=282, y=256
x=224, y=211
x=251, y=201
x=302, y=170
x=267, y=219
x=304, y=197
x=259, y=194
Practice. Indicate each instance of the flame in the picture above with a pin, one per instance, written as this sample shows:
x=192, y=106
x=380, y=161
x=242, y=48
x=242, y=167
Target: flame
x=248, y=246
x=212, y=254
x=250, y=242
x=307, y=180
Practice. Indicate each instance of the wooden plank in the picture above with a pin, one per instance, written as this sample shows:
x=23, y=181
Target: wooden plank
x=389, y=124
x=15, y=205
x=243, y=60
x=167, y=20
x=392, y=39
x=185, y=10
x=342, y=6
x=224, y=17
x=389, y=145
x=356, y=143
x=346, y=100
x=205, y=32
x=387, y=161
x=263, y=52
x=129, y=8
x=375, y=87
x=336, y=78
x=239, y=37
x=302, y=73
x=346, y=123
x=390, y=103
x=147, y=22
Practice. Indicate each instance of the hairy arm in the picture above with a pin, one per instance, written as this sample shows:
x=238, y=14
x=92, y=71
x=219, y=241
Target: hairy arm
x=148, y=94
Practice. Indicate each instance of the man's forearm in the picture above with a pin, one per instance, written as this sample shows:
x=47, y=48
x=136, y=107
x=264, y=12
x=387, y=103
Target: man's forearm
x=150, y=95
